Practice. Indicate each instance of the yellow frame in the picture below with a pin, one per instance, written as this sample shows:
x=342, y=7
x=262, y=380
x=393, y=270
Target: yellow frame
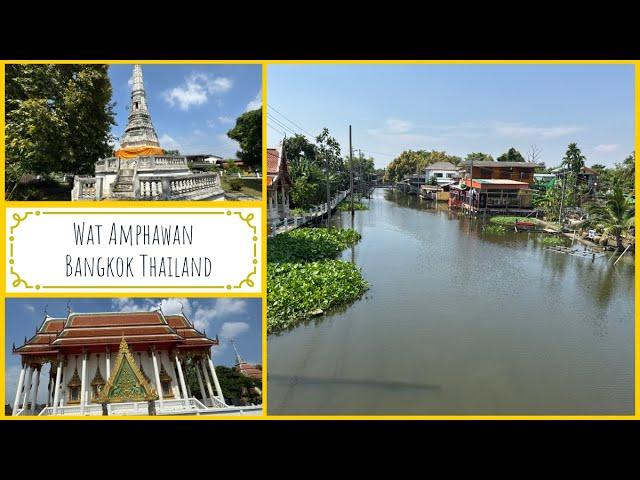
x=262, y=204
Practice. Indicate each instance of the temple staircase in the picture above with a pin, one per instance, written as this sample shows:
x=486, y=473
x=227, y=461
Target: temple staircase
x=123, y=186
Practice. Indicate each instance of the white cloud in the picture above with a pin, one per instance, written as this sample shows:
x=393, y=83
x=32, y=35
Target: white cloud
x=196, y=89
x=256, y=102
x=395, y=125
x=520, y=130
x=125, y=305
x=168, y=142
x=29, y=308
x=211, y=123
x=231, y=330
x=203, y=316
x=606, y=147
x=223, y=119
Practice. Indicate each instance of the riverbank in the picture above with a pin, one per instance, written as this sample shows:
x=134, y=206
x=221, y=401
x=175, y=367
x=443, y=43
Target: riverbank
x=304, y=277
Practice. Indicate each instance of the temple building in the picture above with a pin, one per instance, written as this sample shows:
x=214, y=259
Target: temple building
x=140, y=170
x=279, y=183
x=120, y=363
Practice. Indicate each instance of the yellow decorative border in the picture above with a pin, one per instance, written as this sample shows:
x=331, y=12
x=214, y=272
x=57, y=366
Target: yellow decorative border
x=18, y=281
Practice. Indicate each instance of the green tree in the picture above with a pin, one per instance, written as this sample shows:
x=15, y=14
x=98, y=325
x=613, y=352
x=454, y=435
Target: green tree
x=248, y=133
x=573, y=162
x=479, y=157
x=236, y=386
x=58, y=119
x=301, y=153
x=512, y=155
x=410, y=162
x=616, y=215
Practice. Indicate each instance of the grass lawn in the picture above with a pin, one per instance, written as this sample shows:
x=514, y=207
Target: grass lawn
x=246, y=189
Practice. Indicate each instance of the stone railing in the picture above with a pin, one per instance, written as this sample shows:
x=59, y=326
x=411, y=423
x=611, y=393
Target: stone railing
x=161, y=163
x=108, y=165
x=86, y=188
x=197, y=186
x=164, y=407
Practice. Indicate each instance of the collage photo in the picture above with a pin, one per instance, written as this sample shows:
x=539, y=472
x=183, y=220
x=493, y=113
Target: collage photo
x=288, y=240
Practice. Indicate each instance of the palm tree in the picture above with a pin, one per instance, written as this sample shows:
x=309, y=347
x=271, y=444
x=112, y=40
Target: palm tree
x=617, y=215
x=574, y=162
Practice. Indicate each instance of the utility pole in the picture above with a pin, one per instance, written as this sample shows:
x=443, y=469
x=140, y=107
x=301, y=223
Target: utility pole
x=360, y=175
x=351, y=172
x=326, y=167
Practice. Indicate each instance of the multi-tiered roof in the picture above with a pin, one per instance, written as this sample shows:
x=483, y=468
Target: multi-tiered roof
x=96, y=331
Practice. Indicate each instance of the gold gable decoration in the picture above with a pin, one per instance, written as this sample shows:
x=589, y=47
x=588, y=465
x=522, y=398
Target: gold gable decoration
x=126, y=383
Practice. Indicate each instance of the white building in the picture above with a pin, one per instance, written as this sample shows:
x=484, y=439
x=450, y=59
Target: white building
x=445, y=173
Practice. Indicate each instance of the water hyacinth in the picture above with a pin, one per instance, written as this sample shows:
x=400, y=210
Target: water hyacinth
x=304, y=278
x=310, y=244
x=346, y=206
x=296, y=290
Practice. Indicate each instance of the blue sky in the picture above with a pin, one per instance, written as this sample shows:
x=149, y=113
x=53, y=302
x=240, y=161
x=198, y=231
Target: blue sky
x=230, y=318
x=459, y=108
x=192, y=106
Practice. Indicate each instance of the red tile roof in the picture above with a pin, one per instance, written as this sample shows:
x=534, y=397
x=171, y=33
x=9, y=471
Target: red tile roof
x=91, y=329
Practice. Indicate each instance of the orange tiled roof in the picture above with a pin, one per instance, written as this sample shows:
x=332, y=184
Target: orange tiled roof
x=91, y=329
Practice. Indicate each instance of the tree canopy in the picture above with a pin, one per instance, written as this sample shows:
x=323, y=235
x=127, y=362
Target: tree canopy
x=410, y=162
x=512, y=155
x=479, y=157
x=58, y=119
x=248, y=133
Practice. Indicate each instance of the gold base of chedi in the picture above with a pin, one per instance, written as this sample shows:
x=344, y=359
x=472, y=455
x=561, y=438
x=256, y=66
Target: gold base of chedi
x=144, y=151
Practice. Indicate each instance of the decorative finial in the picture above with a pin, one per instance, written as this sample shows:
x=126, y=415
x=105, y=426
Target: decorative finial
x=181, y=309
x=14, y=347
x=68, y=308
x=46, y=314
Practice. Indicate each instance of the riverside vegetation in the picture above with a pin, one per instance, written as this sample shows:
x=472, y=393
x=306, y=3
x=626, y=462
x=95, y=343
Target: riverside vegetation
x=304, y=277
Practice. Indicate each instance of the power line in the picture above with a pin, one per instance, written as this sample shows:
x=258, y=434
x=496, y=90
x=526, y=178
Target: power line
x=281, y=125
x=289, y=120
x=304, y=132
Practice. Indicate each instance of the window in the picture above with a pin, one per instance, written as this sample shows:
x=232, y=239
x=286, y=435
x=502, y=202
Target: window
x=439, y=175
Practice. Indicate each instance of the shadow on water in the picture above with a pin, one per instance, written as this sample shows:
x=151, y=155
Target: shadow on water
x=298, y=380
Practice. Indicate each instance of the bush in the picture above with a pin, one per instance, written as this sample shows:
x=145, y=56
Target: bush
x=235, y=184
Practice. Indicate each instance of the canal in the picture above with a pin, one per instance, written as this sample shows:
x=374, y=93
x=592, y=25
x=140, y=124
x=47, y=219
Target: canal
x=461, y=321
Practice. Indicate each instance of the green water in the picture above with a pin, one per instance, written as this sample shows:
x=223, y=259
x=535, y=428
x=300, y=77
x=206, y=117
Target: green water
x=459, y=321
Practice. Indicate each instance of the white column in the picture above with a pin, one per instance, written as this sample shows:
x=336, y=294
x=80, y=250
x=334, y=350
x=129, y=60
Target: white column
x=34, y=395
x=27, y=388
x=83, y=383
x=56, y=395
x=203, y=394
x=215, y=380
x=208, y=380
x=156, y=374
x=182, y=384
x=16, y=401
x=107, y=358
